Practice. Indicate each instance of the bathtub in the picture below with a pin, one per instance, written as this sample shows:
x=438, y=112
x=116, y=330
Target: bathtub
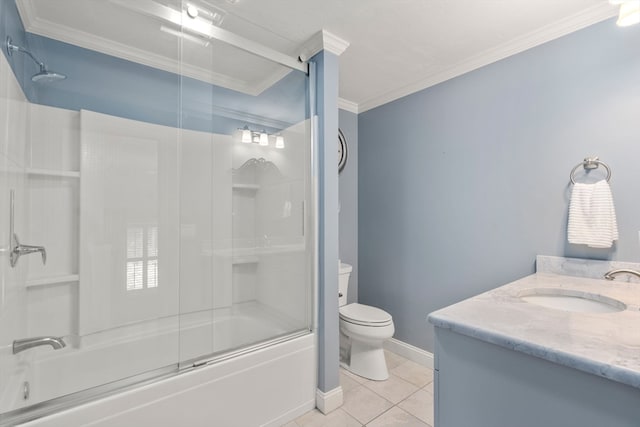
x=276, y=378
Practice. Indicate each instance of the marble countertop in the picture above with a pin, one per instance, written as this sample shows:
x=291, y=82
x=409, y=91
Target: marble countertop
x=603, y=344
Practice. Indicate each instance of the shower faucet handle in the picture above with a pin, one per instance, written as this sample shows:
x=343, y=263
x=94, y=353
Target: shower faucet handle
x=18, y=250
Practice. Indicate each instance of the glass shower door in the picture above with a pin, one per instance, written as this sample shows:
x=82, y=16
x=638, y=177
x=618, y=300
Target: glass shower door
x=271, y=210
x=92, y=160
x=246, y=246
x=13, y=296
x=271, y=284
x=168, y=179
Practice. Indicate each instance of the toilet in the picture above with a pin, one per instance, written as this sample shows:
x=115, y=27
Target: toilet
x=363, y=330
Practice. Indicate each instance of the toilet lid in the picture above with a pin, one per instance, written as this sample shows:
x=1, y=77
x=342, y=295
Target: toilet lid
x=364, y=314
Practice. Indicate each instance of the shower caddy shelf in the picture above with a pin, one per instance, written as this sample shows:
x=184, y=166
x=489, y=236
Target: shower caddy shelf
x=245, y=260
x=55, y=161
x=53, y=172
x=248, y=187
x=64, y=278
x=53, y=280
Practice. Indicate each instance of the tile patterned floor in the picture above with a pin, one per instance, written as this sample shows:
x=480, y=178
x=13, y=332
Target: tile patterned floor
x=405, y=399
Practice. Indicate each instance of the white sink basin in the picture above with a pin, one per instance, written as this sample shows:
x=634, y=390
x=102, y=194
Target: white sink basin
x=571, y=300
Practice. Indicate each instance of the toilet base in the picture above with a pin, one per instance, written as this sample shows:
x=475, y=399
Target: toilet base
x=367, y=361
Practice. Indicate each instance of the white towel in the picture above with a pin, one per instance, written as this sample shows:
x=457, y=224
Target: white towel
x=592, y=217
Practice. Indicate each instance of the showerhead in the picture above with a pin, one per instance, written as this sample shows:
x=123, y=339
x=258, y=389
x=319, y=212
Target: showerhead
x=44, y=75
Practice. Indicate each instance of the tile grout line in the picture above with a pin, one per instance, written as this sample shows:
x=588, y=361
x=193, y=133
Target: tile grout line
x=396, y=404
x=378, y=416
x=393, y=405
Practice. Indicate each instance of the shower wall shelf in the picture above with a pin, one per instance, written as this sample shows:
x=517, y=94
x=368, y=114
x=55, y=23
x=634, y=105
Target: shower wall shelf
x=245, y=260
x=52, y=172
x=249, y=187
x=54, y=280
x=51, y=197
x=253, y=255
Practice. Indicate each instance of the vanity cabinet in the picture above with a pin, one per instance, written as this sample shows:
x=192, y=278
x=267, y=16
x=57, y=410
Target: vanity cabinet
x=503, y=361
x=485, y=385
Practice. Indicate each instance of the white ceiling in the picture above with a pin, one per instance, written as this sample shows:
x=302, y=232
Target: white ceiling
x=396, y=47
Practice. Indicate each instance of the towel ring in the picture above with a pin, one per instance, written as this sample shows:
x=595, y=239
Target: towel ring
x=590, y=163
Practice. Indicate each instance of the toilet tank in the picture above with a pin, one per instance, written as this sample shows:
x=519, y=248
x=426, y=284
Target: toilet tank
x=343, y=282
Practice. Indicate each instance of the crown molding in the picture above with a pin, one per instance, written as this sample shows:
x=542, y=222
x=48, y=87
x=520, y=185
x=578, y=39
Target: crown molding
x=323, y=40
x=345, y=104
x=205, y=111
x=260, y=86
x=27, y=12
x=333, y=43
x=36, y=25
x=587, y=17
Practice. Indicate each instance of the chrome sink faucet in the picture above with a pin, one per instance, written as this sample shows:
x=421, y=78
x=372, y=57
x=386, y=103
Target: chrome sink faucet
x=25, y=344
x=610, y=275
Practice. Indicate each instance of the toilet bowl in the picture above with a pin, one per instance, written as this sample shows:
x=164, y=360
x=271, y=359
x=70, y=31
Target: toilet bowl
x=363, y=331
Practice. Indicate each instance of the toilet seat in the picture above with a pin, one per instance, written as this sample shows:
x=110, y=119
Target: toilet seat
x=364, y=315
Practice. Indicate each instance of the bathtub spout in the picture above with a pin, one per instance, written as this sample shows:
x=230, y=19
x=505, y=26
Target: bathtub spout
x=24, y=344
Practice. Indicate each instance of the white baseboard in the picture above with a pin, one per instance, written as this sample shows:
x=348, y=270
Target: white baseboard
x=410, y=352
x=329, y=401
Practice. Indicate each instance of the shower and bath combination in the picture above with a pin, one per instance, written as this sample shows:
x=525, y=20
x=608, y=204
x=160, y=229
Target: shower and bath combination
x=44, y=75
x=156, y=244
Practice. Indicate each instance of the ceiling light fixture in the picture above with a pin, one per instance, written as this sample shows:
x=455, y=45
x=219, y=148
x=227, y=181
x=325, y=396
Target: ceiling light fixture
x=629, y=12
x=202, y=42
x=211, y=14
x=192, y=11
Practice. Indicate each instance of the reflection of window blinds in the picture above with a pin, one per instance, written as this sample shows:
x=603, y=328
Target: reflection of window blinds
x=142, y=257
x=134, y=242
x=152, y=242
x=152, y=255
x=134, y=275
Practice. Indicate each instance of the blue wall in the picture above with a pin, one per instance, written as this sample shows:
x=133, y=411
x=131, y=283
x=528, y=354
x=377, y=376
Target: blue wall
x=348, y=188
x=462, y=184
